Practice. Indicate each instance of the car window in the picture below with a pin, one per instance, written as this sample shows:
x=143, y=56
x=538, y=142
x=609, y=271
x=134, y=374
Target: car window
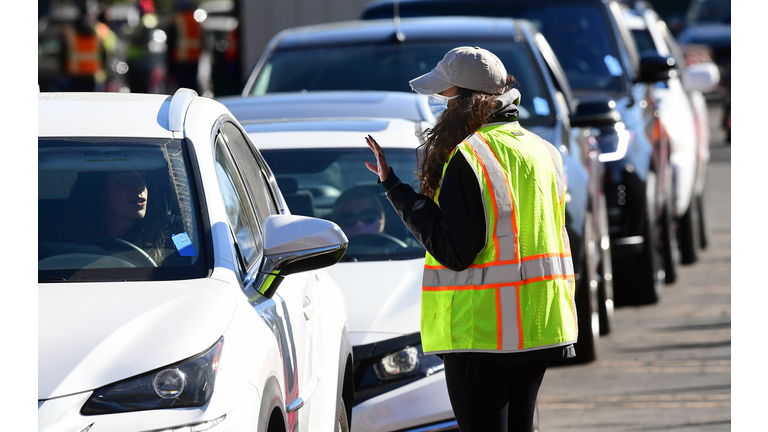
x=334, y=184
x=643, y=40
x=710, y=11
x=117, y=209
x=253, y=172
x=240, y=213
x=581, y=40
x=389, y=67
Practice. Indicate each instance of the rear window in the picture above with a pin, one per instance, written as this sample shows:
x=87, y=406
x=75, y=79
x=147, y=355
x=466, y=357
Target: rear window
x=388, y=67
x=117, y=209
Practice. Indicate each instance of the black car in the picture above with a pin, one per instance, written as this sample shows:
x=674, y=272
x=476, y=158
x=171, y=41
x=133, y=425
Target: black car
x=376, y=55
x=600, y=60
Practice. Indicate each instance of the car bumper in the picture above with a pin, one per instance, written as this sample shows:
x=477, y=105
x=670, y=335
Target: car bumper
x=421, y=406
x=233, y=407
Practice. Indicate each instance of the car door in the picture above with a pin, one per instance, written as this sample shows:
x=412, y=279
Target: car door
x=292, y=307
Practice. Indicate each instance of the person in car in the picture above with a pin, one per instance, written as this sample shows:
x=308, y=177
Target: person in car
x=115, y=204
x=497, y=292
x=358, y=211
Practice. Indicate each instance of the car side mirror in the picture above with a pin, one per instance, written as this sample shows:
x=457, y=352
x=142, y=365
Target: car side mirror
x=702, y=77
x=293, y=244
x=655, y=67
x=595, y=113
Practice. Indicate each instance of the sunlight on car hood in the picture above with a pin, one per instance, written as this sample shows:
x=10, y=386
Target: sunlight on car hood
x=383, y=297
x=93, y=334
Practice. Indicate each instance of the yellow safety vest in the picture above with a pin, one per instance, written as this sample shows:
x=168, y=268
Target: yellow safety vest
x=518, y=293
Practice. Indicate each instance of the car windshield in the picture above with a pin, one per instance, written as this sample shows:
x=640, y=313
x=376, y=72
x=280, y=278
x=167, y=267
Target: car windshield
x=114, y=209
x=644, y=40
x=334, y=184
x=710, y=12
x=389, y=67
x=579, y=36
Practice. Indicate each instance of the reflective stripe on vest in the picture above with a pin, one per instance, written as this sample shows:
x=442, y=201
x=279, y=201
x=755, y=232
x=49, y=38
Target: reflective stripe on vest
x=83, y=53
x=488, y=293
x=189, y=41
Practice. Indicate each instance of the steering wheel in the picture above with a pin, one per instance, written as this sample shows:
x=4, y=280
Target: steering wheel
x=122, y=249
x=377, y=240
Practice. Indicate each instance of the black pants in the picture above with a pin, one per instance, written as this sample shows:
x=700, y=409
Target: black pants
x=493, y=396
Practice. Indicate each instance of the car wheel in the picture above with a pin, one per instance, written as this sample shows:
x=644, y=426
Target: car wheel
x=587, y=310
x=605, y=274
x=670, y=244
x=342, y=423
x=703, y=238
x=644, y=279
x=690, y=230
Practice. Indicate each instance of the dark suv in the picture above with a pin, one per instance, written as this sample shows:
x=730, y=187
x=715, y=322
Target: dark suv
x=600, y=59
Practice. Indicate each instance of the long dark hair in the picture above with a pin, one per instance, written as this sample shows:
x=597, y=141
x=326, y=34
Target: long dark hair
x=85, y=218
x=471, y=110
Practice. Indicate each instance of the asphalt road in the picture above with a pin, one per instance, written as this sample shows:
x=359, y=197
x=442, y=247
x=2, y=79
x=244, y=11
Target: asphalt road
x=665, y=367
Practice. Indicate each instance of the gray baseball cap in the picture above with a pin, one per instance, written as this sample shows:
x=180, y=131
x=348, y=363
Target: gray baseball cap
x=472, y=68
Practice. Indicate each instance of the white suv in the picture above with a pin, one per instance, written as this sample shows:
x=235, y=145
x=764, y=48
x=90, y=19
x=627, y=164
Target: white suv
x=176, y=292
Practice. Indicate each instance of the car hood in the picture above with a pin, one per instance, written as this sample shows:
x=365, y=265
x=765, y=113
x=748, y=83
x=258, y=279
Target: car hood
x=93, y=334
x=383, y=297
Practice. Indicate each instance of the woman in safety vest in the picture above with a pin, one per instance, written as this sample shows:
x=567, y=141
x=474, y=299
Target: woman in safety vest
x=497, y=292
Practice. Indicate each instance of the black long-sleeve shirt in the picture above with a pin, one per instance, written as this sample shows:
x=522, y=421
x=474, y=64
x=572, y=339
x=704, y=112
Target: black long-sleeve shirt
x=453, y=232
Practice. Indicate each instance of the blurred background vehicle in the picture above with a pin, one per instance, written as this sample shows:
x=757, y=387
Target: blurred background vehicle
x=685, y=119
x=595, y=48
x=705, y=35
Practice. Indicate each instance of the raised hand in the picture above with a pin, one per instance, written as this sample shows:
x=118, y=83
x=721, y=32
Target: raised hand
x=381, y=168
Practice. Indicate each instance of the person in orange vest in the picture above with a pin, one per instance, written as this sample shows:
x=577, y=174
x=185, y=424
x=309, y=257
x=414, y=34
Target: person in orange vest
x=226, y=70
x=83, y=54
x=185, y=43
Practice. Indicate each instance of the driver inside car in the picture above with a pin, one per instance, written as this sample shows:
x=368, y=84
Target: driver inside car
x=116, y=205
x=358, y=211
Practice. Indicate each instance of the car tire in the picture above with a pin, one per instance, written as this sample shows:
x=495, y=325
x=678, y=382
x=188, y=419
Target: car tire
x=670, y=244
x=642, y=281
x=586, y=299
x=342, y=422
x=703, y=237
x=690, y=233
x=604, y=273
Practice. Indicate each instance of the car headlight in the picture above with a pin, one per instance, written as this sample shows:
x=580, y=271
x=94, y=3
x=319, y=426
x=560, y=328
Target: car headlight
x=188, y=383
x=384, y=366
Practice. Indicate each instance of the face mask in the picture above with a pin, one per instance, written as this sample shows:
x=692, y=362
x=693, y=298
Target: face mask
x=438, y=103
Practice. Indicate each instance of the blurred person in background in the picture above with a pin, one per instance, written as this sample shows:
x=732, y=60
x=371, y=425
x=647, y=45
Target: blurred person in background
x=138, y=56
x=226, y=73
x=185, y=42
x=83, y=54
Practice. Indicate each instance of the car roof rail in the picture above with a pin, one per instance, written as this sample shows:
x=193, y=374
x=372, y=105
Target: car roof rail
x=178, y=109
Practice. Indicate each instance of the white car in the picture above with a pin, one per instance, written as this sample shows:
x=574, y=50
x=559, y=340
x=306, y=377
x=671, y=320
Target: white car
x=682, y=110
x=176, y=292
x=315, y=145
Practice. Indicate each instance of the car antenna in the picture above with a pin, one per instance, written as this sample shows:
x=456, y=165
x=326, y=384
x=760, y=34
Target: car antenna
x=397, y=36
